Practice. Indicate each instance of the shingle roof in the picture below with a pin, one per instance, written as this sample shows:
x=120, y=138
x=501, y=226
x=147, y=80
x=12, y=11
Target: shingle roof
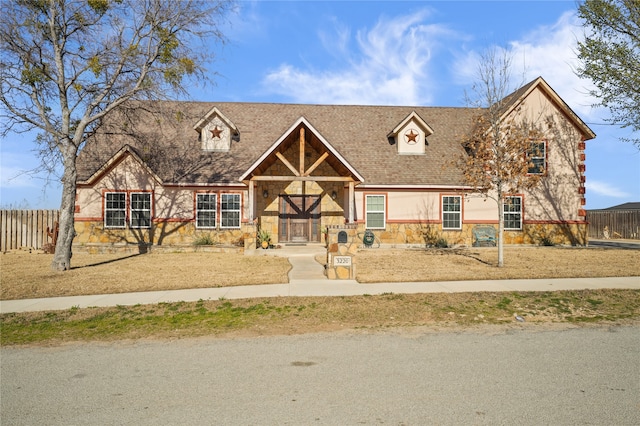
x=162, y=134
x=625, y=206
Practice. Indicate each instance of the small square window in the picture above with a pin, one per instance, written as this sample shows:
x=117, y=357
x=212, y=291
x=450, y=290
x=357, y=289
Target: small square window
x=512, y=213
x=141, y=210
x=206, y=210
x=115, y=210
x=537, y=156
x=230, y=211
x=376, y=217
x=452, y=212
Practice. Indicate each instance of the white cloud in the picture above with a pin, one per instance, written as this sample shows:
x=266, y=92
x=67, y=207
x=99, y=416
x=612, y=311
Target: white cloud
x=15, y=171
x=548, y=51
x=389, y=66
x=606, y=189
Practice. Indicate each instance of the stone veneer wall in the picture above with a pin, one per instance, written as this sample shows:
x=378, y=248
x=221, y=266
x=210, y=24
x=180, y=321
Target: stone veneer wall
x=428, y=234
x=174, y=234
x=350, y=248
x=184, y=234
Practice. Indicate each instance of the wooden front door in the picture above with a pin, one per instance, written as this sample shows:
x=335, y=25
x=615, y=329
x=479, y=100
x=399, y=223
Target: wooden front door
x=299, y=218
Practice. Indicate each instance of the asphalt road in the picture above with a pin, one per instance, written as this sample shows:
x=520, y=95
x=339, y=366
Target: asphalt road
x=398, y=377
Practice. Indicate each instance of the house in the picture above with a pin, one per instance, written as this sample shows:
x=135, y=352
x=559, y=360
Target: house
x=167, y=173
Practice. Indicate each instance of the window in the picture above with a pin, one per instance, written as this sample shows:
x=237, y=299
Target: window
x=452, y=212
x=140, y=210
x=375, y=211
x=512, y=213
x=230, y=210
x=537, y=157
x=115, y=210
x=206, y=210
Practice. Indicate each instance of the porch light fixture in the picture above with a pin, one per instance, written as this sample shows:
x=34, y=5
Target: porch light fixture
x=334, y=195
x=265, y=193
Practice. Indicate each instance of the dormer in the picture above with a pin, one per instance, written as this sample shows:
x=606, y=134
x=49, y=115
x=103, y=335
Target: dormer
x=410, y=136
x=216, y=131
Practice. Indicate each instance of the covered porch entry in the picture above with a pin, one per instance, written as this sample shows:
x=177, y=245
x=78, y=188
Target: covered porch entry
x=299, y=218
x=300, y=185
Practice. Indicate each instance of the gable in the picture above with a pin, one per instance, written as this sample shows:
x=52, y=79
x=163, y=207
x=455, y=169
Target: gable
x=410, y=135
x=124, y=170
x=304, y=133
x=216, y=131
x=540, y=100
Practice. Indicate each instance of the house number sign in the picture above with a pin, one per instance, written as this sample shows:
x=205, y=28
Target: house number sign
x=342, y=261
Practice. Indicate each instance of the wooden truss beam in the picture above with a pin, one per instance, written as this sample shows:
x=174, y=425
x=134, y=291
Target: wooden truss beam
x=316, y=164
x=303, y=178
x=287, y=163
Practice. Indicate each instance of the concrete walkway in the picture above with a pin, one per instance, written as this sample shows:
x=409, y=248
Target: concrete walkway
x=306, y=278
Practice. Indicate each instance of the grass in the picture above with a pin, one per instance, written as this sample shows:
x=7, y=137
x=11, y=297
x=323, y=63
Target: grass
x=25, y=275
x=295, y=315
x=479, y=264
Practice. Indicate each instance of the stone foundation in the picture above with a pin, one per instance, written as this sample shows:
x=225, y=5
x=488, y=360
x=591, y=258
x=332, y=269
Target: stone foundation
x=433, y=235
x=102, y=248
x=175, y=234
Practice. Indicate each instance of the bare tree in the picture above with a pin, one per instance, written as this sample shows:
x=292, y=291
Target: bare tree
x=497, y=162
x=65, y=64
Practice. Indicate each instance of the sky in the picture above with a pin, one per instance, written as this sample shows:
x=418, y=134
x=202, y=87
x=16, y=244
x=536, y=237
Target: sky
x=421, y=53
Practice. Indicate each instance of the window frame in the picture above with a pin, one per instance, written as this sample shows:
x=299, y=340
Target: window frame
x=133, y=216
x=451, y=212
x=230, y=210
x=519, y=212
x=376, y=212
x=107, y=209
x=214, y=210
x=537, y=169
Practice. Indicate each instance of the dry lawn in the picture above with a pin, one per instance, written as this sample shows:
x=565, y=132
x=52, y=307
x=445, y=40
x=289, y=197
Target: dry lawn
x=25, y=275
x=479, y=264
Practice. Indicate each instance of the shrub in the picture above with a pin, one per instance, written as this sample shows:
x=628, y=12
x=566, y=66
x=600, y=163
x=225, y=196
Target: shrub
x=441, y=243
x=204, y=240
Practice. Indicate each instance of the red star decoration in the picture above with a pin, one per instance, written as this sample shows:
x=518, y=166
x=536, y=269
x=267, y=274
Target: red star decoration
x=411, y=136
x=215, y=132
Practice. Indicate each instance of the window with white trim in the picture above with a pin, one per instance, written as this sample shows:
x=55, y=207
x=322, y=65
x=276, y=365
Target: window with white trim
x=140, y=210
x=206, y=210
x=115, y=209
x=376, y=216
x=537, y=155
x=512, y=213
x=452, y=212
x=230, y=210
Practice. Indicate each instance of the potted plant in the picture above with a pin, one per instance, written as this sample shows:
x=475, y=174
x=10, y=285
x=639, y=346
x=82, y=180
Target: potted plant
x=264, y=238
x=325, y=232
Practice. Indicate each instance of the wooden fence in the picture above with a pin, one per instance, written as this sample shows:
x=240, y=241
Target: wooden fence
x=614, y=224
x=26, y=228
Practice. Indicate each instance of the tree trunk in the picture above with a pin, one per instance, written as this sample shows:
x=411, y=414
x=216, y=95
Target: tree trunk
x=62, y=256
x=500, y=230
